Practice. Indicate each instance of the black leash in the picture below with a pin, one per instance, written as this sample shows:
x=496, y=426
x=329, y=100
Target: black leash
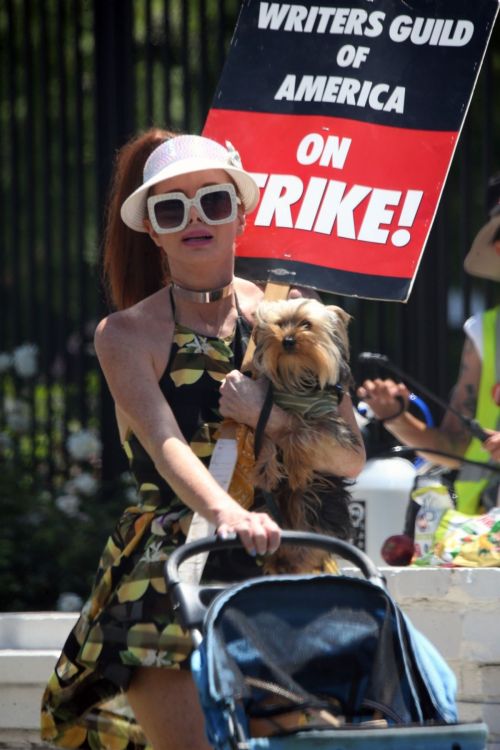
x=263, y=419
x=272, y=505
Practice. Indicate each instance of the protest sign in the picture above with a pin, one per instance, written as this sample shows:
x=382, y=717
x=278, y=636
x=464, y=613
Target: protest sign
x=348, y=115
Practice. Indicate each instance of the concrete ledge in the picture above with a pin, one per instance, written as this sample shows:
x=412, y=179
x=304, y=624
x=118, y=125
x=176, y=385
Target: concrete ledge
x=30, y=643
x=22, y=667
x=458, y=609
x=20, y=739
x=35, y=630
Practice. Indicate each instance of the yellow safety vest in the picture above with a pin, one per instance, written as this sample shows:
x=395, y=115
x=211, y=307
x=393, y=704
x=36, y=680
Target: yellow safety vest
x=472, y=480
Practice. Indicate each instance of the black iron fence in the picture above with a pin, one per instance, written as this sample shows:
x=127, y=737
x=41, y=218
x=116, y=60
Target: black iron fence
x=77, y=78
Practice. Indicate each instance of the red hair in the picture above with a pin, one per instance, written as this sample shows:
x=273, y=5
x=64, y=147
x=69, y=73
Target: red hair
x=134, y=267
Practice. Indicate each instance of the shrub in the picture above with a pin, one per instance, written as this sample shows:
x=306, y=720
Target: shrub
x=56, y=511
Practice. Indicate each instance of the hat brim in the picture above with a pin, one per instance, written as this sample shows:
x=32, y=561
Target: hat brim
x=483, y=260
x=133, y=210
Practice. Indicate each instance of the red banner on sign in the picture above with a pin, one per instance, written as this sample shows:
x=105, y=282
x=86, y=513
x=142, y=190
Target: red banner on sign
x=314, y=208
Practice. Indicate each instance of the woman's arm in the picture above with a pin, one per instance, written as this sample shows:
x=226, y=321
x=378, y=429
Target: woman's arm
x=492, y=445
x=128, y=367
x=348, y=463
x=451, y=436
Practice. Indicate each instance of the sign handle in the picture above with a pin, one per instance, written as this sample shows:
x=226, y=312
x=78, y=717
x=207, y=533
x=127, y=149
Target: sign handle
x=224, y=458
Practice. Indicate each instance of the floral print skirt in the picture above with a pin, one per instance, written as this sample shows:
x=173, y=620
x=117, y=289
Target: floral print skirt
x=127, y=622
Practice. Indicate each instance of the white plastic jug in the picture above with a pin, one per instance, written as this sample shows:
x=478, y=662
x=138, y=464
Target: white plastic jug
x=380, y=496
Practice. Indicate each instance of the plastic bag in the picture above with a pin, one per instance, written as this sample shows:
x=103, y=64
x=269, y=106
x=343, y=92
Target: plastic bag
x=468, y=541
x=430, y=497
x=433, y=502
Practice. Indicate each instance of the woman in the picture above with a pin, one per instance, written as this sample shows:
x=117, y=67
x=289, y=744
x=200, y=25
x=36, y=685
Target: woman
x=476, y=394
x=170, y=356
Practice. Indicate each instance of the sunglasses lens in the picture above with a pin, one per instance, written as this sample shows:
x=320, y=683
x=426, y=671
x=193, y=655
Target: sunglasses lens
x=217, y=205
x=169, y=213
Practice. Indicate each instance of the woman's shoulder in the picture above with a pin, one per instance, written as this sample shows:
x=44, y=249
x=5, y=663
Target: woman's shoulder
x=476, y=321
x=249, y=295
x=473, y=329
x=135, y=326
x=248, y=289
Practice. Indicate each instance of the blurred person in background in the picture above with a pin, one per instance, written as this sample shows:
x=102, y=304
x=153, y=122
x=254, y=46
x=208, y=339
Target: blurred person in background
x=476, y=393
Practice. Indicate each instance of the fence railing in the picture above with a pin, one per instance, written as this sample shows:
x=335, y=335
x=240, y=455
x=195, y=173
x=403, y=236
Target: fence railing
x=77, y=78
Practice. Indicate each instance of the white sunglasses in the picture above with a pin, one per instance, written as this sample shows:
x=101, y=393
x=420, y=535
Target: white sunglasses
x=216, y=204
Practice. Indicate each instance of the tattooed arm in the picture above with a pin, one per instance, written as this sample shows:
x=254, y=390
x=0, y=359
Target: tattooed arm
x=463, y=399
x=451, y=436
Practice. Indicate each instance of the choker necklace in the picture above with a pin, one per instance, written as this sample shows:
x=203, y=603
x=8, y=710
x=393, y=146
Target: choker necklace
x=210, y=295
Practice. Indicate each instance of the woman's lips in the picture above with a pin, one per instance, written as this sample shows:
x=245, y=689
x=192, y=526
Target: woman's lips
x=197, y=237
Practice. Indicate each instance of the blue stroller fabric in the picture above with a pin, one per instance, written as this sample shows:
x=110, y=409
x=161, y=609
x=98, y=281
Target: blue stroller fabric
x=331, y=642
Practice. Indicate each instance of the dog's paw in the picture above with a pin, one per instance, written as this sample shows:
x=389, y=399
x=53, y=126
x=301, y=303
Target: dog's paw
x=268, y=471
x=343, y=434
x=267, y=476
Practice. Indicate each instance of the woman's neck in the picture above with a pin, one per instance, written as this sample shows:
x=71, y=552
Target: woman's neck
x=202, y=296
x=210, y=318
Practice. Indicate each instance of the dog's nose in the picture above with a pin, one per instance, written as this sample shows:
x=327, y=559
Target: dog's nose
x=288, y=342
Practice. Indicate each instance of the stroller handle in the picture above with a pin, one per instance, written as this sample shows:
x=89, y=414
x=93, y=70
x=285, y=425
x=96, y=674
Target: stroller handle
x=299, y=538
x=192, y=600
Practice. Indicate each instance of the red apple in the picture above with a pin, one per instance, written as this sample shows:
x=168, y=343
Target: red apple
x=398, y=549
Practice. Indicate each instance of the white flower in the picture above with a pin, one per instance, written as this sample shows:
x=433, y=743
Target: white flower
x=5, y=361
x=34, y=519
x=131, y=495
x=233, y=156
x=157, y=527
x=18, y=414
x=5, y=442
x=68, y=504
x=69, y=602
x=25, y=360
x=84, y=445
x=127, y=478
x=198, y=346
x=152, y=659
x=84, y=483
x=154, y=553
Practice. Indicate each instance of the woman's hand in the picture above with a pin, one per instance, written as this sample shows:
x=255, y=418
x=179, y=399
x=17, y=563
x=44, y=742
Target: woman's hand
x=300, y=291
x=383, y=397
x=492, y=445
x=259, y=534
x=241, y=398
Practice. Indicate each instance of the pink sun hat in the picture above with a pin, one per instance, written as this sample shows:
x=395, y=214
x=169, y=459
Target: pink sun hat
x=185, y=154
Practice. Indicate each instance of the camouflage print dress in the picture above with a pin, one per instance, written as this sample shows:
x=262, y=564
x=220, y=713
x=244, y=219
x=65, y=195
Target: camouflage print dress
x=127, y=621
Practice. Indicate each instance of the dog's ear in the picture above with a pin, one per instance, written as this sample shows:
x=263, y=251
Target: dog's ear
x=344, y=316
x=342, y=319
x=257, y=326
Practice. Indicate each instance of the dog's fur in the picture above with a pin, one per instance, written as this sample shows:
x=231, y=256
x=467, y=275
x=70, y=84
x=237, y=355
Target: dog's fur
x=302, y=347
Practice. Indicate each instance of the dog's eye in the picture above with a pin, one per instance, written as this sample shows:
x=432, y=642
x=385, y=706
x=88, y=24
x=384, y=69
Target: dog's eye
x=305, y=324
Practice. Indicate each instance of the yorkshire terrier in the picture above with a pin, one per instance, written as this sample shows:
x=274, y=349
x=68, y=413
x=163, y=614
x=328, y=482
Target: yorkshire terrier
x=302, y=348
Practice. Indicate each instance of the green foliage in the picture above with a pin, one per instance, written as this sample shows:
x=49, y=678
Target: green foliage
x=46, y=551
x=56, y=511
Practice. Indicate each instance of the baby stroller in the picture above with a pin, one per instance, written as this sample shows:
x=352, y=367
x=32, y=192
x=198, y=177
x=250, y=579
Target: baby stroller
x=319, y=662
